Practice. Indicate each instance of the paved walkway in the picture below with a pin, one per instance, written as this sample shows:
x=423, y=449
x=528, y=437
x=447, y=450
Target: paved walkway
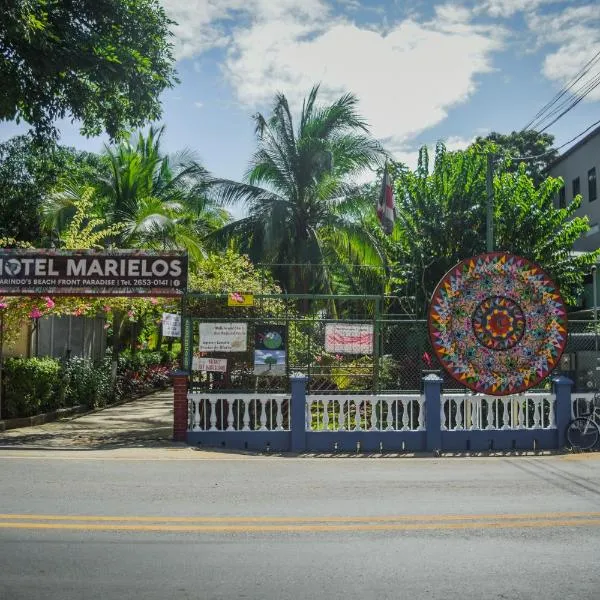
x=143, y=423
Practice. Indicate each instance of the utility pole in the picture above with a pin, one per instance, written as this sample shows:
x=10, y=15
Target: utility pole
x=489, y=184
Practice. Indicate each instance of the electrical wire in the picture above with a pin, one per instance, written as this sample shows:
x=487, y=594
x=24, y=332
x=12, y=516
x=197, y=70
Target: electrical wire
x=526, y=158
x=573, y=100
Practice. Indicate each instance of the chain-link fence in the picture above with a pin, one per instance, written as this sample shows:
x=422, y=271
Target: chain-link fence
x=342, y=343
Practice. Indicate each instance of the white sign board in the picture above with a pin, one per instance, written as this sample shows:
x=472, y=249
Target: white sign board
x=223, y=337
x=345, y=338
x=216, y=365
x=171, y=325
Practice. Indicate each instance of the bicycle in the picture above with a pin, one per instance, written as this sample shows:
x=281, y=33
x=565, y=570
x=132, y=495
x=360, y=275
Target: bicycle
x=583, y=432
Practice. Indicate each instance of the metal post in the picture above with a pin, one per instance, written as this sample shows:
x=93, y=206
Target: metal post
x=183, y=360
x=1, y=355
x=489, y=184
x=595, y=296
x=376, y=341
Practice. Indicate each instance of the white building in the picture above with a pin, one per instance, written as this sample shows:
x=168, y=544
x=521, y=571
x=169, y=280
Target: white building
x=579, y=167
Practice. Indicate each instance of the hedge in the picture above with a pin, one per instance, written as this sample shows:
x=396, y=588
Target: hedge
x=36, y=385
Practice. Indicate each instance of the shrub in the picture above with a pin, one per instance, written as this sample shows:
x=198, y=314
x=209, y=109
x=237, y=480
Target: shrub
x=32, y=386
x=143, y=371
x=87, y=383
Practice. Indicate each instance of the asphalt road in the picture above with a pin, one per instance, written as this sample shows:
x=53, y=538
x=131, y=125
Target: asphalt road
x=180, y=523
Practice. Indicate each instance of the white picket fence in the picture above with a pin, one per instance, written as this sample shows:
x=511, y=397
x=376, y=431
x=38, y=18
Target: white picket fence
x=365, y=412
x=238, y=412
x=581, y=403
x=466, y=411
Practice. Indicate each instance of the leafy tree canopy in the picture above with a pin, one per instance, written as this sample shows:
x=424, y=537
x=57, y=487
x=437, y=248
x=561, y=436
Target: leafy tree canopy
x=442, y=218
x=525, y=145
x=158, y=199
x=28, y=173
x=302, y=213
x=102, y=62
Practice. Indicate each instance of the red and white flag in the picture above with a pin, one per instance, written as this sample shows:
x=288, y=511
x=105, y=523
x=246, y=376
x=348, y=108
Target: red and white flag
x=385, y=204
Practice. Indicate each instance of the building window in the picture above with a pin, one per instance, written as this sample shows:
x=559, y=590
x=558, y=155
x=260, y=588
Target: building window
x=561, y=198
x=576, y=187
x=592, y=184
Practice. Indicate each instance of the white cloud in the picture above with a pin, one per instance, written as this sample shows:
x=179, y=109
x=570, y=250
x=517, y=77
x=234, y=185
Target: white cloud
x=198, y=104
x=204, y=24
x=407, y=74
x=508, y=8
x=575, y=35
x=406, y=78
x=456, y=142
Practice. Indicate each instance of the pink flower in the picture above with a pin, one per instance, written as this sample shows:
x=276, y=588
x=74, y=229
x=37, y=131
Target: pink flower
x=130, y=314
x=78, y=312
x=107, y=308
x=49, y=302
x=153, y=300
x=106, y=325
x=338, y=357
x=35, y=313
x=3, y=305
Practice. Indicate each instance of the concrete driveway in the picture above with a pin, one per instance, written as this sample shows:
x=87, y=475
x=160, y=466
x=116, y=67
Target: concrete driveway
x=145, y=422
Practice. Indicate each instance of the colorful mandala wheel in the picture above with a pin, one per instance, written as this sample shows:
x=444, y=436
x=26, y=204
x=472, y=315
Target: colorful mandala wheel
x=497, y=323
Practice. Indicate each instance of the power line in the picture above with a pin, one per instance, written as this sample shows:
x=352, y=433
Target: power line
x=526, y=158
x=589, y=88
x=576, y=96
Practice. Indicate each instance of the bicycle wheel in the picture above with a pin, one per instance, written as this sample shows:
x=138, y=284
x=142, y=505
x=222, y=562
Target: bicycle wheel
x=582, y=433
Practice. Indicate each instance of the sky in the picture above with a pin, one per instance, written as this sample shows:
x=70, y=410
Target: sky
x=423, y=71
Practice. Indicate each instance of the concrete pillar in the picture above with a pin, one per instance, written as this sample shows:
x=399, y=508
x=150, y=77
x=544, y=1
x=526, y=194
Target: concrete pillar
x=180, y=405
x=562, y=390
x=298, y=413
x=432, y=388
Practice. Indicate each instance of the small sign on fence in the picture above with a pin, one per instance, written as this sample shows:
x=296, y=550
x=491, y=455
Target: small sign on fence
x=171, y=325
x=215, y=365
x=346, y=338
x=238, y=299
x=270, y=350
x=223, y=337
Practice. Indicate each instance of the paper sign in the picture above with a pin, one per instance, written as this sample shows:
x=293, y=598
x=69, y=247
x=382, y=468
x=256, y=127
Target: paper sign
x=201, y=363
x=237, y=299
x=223, y=337
x=171, y=325
x=269, y=350
x=343, y=338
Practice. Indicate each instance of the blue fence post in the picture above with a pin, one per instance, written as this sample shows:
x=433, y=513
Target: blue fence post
x=432, y=388
x=298, y=413
x=562, y=390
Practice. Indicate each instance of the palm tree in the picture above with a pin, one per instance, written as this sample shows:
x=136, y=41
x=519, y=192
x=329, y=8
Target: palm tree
x=160, y=201
x=298, y=192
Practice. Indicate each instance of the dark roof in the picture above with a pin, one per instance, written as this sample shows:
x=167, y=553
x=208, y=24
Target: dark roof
x=574, y=147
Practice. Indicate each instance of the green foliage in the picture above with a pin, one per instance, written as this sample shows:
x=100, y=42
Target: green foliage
x=143, y=371
x=31, y=386
x=87, y=384
x=85, y=230
x=157, y=201
x=298, y=192
x=230, y=272
x=104, y=63
x=523, y=144
x=442, y=218
x=28, y=173
x=529, y=225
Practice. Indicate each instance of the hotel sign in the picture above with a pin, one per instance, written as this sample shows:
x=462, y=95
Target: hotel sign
x=92, y=273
